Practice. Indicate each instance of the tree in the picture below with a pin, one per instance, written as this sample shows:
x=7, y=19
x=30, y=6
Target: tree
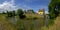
x=10, y=13
x=21, y=13
x=13, y=13
x=3, y=12
x=54, y=8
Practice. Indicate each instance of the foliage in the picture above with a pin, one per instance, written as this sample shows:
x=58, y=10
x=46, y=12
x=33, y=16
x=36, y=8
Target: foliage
x=22, y=16
x=11, y=13
x=3, y=12
x=20, y=13
x=54, y=8
x=51, y=22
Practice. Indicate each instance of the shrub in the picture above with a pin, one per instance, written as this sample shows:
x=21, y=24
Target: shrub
x=22, y=16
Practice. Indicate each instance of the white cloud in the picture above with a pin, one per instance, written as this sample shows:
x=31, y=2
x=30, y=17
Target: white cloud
x=11, y=6
x=8, y=5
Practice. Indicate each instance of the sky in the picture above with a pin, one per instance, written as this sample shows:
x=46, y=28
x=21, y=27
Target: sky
x=24, y=4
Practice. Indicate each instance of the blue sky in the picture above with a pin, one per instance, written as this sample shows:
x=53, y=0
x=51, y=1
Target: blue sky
x=24, y=4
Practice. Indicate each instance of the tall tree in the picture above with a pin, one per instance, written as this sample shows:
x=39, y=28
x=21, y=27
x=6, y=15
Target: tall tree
x=54, y=8
x=13, y=13
x=20, y=13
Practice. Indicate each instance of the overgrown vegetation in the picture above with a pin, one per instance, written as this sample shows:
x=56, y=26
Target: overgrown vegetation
x=10, y=13
x=4, y=24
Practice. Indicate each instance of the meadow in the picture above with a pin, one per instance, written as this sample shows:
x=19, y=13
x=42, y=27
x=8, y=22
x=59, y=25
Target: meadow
x=31, y=22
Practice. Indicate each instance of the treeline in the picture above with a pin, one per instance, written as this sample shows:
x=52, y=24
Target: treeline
x=19, y=12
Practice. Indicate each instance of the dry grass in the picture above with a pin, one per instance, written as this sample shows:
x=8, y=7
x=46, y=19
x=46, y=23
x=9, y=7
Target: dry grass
x=4, y=24
x=32, y=16
x=56, y=25
x=30, y=20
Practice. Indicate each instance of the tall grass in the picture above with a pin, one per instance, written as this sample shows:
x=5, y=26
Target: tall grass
x=4, y=24
x=29, y=21
x=20, y=23
x=56, y=25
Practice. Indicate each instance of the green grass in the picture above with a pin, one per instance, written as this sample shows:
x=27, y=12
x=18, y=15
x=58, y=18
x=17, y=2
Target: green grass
x=5, y=24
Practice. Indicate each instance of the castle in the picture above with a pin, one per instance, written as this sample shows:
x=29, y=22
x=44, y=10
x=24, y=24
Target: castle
x=41, y=11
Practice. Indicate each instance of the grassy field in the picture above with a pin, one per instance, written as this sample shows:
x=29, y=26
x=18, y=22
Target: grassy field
x=6, y=25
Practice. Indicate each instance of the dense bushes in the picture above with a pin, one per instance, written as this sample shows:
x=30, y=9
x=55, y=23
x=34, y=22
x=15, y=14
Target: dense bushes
x=11, y=13
x=22, y=16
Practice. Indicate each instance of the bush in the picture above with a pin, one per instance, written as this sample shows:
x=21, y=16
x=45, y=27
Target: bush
x=35, y=18
x=51, y=22
x=22, y=16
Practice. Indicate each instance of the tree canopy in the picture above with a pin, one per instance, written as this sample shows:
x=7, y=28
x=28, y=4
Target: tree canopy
x=54, y=8
x=20, y=11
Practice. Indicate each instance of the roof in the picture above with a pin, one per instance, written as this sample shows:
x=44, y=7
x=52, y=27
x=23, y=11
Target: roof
x=41, y=10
